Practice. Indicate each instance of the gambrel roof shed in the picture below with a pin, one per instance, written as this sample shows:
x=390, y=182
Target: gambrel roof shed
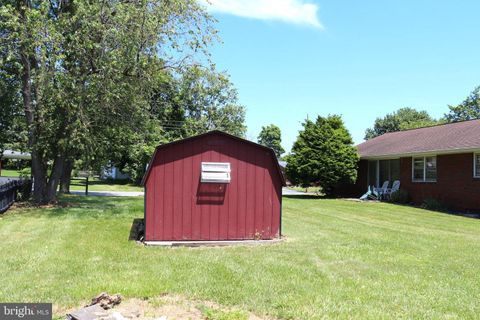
x=213, y=186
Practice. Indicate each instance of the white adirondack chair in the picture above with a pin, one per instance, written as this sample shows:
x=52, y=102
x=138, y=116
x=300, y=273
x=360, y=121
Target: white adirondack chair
x=383, y=189
x=395, y=187
x=371, y=194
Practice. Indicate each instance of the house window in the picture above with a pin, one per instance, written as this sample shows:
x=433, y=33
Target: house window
x=424, y=169
x=380, y=171
x=476, y=165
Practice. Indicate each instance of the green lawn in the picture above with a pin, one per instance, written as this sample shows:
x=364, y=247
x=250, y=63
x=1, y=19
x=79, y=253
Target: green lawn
x=341, y=260
x=309, y=189
x=95, y=184
x=10, y=173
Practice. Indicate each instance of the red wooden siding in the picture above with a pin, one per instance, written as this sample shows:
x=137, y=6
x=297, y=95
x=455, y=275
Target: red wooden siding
x=180, y=207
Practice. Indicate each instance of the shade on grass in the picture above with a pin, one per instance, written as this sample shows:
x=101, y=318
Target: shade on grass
x=96, y=184
x=341, y=260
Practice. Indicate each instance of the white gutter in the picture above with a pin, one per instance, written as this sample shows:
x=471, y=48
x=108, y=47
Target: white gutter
x=11, y=154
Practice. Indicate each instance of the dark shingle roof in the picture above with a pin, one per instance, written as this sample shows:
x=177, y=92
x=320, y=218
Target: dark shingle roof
x=451, y=137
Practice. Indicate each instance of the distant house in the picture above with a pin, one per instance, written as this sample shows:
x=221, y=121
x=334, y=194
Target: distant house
x=283, y=167
x=11, y=154
x=440, y=162
x=14, y=155
x=112, y=172
x=215, y=187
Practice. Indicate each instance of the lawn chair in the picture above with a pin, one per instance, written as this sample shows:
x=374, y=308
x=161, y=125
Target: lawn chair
x=370, y=195
x=395, y=188
x=381, y=191
x=366, y=195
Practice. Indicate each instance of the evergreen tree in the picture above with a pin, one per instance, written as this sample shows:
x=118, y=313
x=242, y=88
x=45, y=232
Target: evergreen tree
x=323, y=154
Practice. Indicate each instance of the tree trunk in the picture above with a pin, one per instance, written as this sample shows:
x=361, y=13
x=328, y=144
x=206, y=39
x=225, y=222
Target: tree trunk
x=39, y=178
x=39, y=171
x=54, y=180
x=66, y=177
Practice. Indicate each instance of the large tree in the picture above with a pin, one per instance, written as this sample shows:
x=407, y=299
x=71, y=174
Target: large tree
x=271, y=136
x=469, y=109
x=12, y=128
x=402, y=119
x=192, y=101
x=324, y=155
x=209, y=101
x=86, y=69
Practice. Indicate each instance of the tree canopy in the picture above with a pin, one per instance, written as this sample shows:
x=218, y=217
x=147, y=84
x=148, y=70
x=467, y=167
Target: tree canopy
x=469, y=109
x=402, y=119
x=12, y=130
x=323, y=154
x=271, y=136
x=86, y=71
x=190, y=102
x=206, y=100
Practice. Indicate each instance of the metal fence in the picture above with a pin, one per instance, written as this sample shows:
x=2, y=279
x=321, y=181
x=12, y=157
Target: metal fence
x=10, y=190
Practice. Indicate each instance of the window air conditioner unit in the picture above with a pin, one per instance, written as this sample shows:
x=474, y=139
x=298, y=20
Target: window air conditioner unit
x=215, y=172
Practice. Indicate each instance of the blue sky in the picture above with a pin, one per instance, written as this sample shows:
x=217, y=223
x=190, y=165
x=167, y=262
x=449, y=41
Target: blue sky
x=290, y=59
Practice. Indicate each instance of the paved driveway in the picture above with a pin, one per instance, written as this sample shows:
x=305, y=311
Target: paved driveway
x=290, y=192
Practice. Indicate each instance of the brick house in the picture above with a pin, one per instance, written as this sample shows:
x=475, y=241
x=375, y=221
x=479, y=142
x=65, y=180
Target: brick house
x=440, y=162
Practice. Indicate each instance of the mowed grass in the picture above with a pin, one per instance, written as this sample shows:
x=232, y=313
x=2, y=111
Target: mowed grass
x=95, y=184
x=10, y=173
x=309, y=189
x=341, y=260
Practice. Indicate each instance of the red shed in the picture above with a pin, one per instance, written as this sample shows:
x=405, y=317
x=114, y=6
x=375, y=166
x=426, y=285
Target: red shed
x=214, y=187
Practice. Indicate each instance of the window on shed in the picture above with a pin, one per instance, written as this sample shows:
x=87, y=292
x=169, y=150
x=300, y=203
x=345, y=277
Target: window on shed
x=215, y=172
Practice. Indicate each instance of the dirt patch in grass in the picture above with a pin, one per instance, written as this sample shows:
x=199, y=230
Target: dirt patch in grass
x=32, y=205
x=172, y=307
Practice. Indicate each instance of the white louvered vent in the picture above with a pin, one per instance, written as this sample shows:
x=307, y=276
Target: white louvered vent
x=215, y=172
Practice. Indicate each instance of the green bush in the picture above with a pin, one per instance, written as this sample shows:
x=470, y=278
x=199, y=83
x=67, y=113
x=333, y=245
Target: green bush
x=434, y=205
x=25, y=191
x=25, y=173
x=401, y=196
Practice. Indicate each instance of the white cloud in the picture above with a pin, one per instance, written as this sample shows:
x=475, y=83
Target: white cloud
x=294, y=11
